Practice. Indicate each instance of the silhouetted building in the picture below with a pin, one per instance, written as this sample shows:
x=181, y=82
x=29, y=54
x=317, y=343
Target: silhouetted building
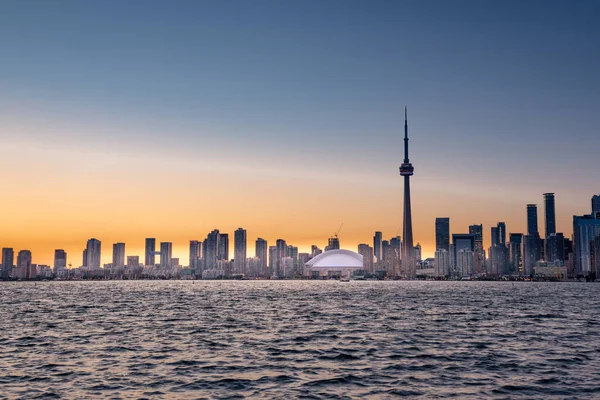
x=150, y=252
x=595, y=204
x=315, y=250
x=261, y=254
x=442, y=233
x=133, y=261
x=549, y=215
x=166, y=254
x=367, y=253
x=292, y=252
x=210, y=249
x=118, y=260
x=93, y=254
x=532, y=220
x=409, y=265
x=555, y=248
x=281, y=246
x=477, y=232
x=60, y=260
x=25, y=270
x=239, y=251
x=377, y=245
x=195, y=256
x=515, y=252
x=463, y=241
x=442, y=263
x=585, y=230
x=333, y=243
x=8, y=256
x=531, y=253
x=223, y=246
x=272, y=260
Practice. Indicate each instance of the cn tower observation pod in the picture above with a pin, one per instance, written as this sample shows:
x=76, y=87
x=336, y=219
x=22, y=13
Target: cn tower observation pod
x=332, y=263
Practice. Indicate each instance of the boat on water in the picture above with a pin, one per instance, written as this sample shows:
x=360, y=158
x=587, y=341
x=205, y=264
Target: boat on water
x=345, y=279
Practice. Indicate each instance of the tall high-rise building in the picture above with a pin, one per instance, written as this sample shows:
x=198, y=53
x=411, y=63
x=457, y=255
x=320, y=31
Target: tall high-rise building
x=495, y=236
x=210, y=249
x=333, y=243
x=281, y=254
x=531, y=252
x=261, y=254
x=549, y=214
x=118, y=255
x=555, y=248
x=477, y=232
x=514, y=251
x=396, y=244
x=595, y=203
x=501, y=233
x=166, y=254
x=84, y=259
x=8, y=258
x=377, y=245
x=239, y=251
x=292, y=252
x=272, y=260
x=442, y=262
x=24, y=267
x=532, y=220
x=60, y=260
x=367, y=252
x=442, y=233
x=406, y=170
x=461, y=241
x=585, y=230
x=149, y=258
x=195, y=253
x=223, y=247
x=315, y=250
x=93, y=254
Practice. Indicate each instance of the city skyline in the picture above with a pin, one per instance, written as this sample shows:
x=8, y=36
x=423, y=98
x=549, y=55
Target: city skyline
x=154, y=128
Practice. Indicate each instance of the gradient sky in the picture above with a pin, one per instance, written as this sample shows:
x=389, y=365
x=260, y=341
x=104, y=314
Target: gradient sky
x=129, y=119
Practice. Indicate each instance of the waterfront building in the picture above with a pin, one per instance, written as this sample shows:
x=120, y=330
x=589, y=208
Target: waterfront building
x=118, y=261
x=477, y=232
x=149, y=258
x=442, y=263
x=262, y=254
x=377, y=245
x=549, y=215
x=334, y=263
x=281, y=246
x=60, y=261
x=133, y=261
x=93, y=254
x=272, y=260
x=195, y=256
x=315, y=250
x=367, y=254
x=239, y=251
x=464, y=263
x=223, y=247
x=531, y=253
x=596, y=204
x=555, y=248
x=406, y=171
x=25, y=270
x=585, y=229
x=8, y=258
x=532, y=220
x=514, y=251
x=166, y=253
x=442, y=233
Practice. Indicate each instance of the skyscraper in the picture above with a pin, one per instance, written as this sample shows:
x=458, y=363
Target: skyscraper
x=118, y=260
x=93, y=253
x=549, y=214
x=210, y=249
x=239, y=251
x=261, y=254
x=367, y=252
x=281, y=246
x=595, y=204
x=514, y=251
x=501, y=233
x=477, y=232
x=166, y=253
x=442, y=233
x=195, y=253
x=407, y=170
x=150, y=251
x=24, y=269
x=461, y=241
x=60, y=260
x=377, y=245
x=585, y=229
x=8, y=258
x=223, y=247
x=532, y=220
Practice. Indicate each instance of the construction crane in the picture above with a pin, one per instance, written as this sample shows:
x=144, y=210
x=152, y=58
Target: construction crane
x=338, y=231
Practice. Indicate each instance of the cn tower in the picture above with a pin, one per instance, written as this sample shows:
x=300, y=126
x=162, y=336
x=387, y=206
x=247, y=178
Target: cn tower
x=406, y=170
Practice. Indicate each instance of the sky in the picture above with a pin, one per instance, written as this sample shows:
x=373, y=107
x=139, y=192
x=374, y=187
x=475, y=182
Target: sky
x=122, y=120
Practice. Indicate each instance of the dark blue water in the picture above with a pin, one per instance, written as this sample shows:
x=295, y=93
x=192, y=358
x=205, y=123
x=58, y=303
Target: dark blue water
x=294, y=339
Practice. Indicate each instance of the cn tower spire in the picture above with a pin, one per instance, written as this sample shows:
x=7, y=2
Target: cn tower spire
x=406, y=170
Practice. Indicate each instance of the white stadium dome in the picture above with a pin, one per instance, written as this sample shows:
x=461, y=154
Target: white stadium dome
x=334, y=262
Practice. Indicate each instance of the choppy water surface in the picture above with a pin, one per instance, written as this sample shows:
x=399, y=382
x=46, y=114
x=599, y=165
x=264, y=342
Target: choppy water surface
x=294, y=339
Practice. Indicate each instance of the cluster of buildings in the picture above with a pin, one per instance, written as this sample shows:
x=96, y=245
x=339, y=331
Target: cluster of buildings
x=457, y=255
x=522, y=254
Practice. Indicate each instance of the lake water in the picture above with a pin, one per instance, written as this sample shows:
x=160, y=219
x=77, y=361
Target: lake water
x=299, y=339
